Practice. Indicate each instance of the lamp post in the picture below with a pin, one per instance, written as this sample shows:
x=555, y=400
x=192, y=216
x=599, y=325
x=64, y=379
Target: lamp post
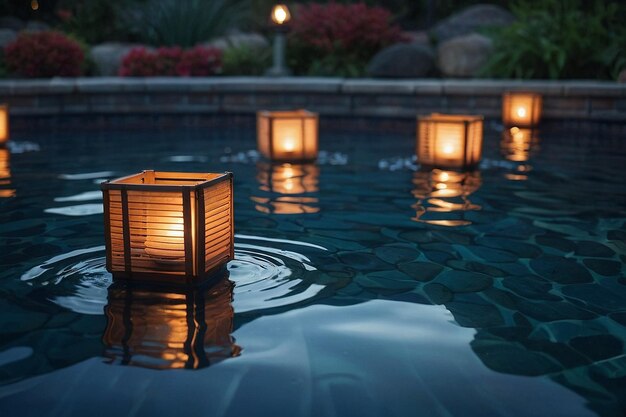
x=280, y=18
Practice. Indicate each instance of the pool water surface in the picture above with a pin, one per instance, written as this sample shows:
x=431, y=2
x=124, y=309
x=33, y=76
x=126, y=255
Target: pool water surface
x=362, y=286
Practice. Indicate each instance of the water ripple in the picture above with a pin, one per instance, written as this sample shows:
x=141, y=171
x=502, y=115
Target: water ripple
x=265, y=277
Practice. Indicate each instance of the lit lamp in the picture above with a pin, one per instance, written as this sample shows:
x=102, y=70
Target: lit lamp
x=290, y=188
x=287, y=136
x=449, y=141
x=521, y=109
x=4, y=123
x=442, y=196
x=168, y=226
x=166, y=329
x=280, y=18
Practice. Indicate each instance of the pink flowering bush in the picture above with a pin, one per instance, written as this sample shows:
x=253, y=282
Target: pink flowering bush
x=339, y=39
x=44, y=54
x=196, y=62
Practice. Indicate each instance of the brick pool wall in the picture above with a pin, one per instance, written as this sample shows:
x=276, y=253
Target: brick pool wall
x=584, y=100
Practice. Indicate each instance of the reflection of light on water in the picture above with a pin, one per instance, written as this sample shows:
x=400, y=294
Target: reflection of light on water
x=265, y=277
x=442, y=196
x=287, y=188
x=5, y=174
x=78, y=210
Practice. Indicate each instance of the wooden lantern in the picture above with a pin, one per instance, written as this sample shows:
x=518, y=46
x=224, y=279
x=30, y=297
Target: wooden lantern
x=4, y=123
x=288, y=188
x=287, y=136
x=521, y=109
x=168, y=226
x=449, y=141
x=5, y=174
x=162, y=328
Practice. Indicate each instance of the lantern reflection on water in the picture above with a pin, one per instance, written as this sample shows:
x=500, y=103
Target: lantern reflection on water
x=519, y=145
x=156, y=328
x=442, y=196
x=5, y=174
x=289, y=188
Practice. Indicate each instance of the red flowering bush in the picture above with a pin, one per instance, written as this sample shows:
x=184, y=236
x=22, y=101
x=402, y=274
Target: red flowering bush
x=44, y=54
x=339, y=39
x=196, y=62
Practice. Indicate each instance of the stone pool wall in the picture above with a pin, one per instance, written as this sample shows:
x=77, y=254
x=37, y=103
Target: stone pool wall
x=583, y=100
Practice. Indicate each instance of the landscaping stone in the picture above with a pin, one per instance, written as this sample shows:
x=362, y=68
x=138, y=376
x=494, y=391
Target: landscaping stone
x=11, y=22
x=470, y=19
x=108, y=56
x=402, y=60
x=252, y=40
x=464, y=56
x=6, y=37
x=621, y=78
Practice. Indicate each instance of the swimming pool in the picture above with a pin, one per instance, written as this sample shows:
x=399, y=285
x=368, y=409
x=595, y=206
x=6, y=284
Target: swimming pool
x=359, y=288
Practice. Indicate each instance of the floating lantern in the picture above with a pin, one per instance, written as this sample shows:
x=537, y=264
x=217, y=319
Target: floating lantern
x=4, y=123
x=287, y=136
x=449, y=141
x=168, y=329
x=5, y=174
x=521, y=109
x=442, y=196
x=168, y=226
x=289, y=188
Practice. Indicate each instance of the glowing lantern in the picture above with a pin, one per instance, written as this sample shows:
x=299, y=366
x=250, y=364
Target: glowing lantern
x=280, y=14
x=449, y=141
x=4, y=123
x=290, y=188
x=287, y=136
x=521, y=109
x=5, y=174
x=168, y=329
x=168, y=226
x=442, y=196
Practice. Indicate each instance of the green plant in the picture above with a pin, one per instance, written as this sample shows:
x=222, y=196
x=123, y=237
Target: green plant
x=558, y=39
x=246, y=60
x=184, y=23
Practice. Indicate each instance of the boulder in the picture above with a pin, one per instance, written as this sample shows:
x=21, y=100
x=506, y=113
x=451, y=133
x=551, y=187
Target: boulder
x=252, y=40
x=464, y=56
x=621, y=78
x=6, y=37
x=402, y=60
x=11, y=22
x=36, y=26
x=471, y=19
x=107, y=57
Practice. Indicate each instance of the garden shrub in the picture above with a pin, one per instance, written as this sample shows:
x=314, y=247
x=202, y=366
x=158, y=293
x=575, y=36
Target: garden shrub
x=174, y=61
x=44, y=54
x=338, y=39
x=246, y=60
x=559, y=39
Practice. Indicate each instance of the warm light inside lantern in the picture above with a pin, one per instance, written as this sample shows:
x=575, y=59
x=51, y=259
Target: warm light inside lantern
x=521, y=109
x=288, y=135
x=166, y=329
x=177, y=224
x=4, y=123
x=450, y=141
x=280, y=14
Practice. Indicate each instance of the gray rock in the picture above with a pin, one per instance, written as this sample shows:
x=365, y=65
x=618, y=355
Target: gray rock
x=11, y=22
x=6, y=37
x=36, y=26
x=621, y=78
x=252, y=40
x=402, y=60
x=108, y=57
x=464, y=56
x=471, y=19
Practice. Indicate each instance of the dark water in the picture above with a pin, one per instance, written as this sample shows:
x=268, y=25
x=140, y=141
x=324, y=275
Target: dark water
x=362, y=287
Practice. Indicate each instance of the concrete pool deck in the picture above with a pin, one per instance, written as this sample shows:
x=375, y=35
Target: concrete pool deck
x=576, y=99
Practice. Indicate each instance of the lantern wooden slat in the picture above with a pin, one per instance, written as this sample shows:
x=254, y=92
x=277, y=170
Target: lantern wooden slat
x=521, y=109
x=177, y=225
x=4, y=123
x=449, y=141
x=288, y=135
x=162, y=328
